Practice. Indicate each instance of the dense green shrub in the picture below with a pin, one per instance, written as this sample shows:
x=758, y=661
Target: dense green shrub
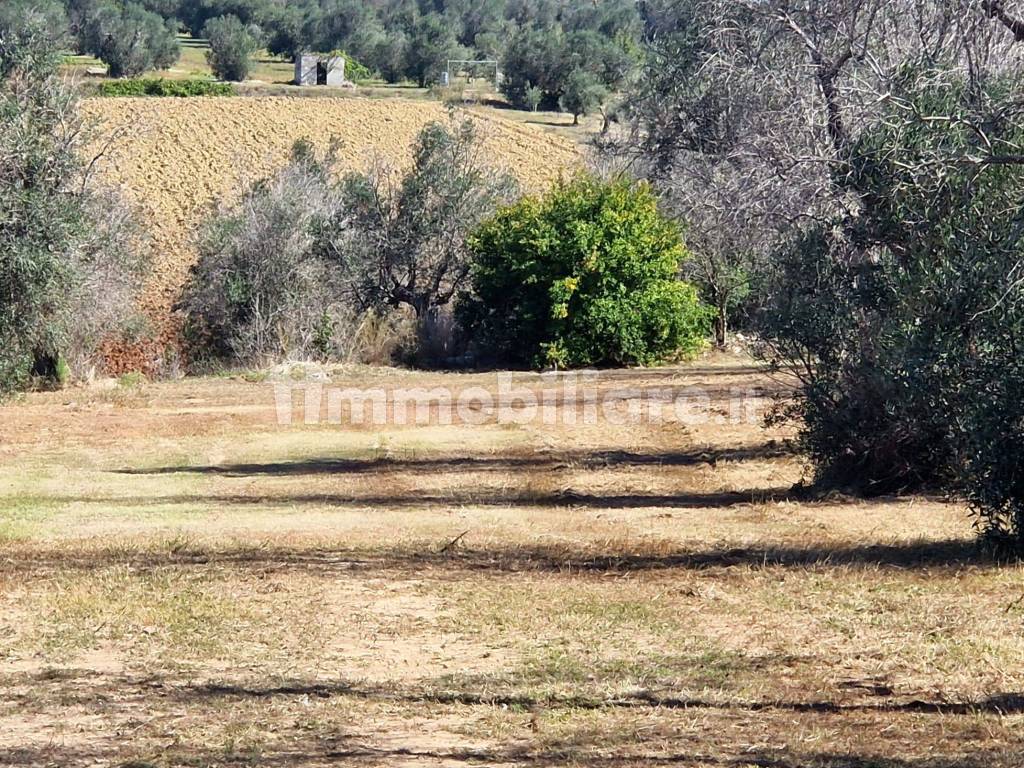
x=943, y=203
x=128, y=39
x=585, y=275
x=355, y=70
x=844, y=326
x=161, y=87
x=232, y=45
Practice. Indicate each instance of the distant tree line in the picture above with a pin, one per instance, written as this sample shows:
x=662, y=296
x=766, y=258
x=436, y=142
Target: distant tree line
x=569, y=53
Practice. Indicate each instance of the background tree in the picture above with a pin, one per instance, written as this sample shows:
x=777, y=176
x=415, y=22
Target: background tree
x=553, y=60
x=431, y=42
x=728, y=251
x=232, y=45
x=534, y=59
x=194, y=14
x=287, y=29
x=17, y=17
x=583, y=94
x=390, y=54
x=532, y=98
x=129, y=39
x=166, y=9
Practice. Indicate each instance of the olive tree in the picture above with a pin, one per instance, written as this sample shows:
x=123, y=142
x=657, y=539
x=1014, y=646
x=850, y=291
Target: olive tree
x=584, y=93
x=259, y=293
x=872, y=151
x=232, y=45
x=129, y=39
x=403, y=238
x=68, y=262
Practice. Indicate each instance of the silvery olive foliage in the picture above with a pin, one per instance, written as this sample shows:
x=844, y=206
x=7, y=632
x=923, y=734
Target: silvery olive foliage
x=259, y=293
x=70, y=253
x=863, y=162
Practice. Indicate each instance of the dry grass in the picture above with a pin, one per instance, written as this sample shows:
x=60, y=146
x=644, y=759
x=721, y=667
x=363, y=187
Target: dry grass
x=185, y=582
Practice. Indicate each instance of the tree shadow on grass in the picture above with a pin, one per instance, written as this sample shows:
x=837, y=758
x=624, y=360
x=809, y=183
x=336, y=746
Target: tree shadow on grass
x=486, y=463
x=356, y=744
x=353, y=751
x=486, y=497
x=460, y=559
x=1000, y=704
x=575, y=756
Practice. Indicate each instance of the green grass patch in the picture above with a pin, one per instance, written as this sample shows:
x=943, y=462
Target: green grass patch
x=22, y=514
x=557, y=668
x=132, y=380
x=553, y=673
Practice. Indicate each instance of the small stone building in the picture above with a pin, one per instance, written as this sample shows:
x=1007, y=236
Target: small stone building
x=313, y=69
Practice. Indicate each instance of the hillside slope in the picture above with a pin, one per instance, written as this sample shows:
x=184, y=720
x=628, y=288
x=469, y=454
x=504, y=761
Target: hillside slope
x=176, y=158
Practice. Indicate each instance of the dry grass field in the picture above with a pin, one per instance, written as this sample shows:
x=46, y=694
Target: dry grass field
x=187, y=582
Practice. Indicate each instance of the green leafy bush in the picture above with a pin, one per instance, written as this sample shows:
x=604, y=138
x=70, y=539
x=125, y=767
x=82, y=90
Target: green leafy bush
x=585, y=275
x=355, y=71
x=160, y=87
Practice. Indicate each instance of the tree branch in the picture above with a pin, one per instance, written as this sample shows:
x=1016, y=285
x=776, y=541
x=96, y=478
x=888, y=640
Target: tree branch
x=995, y=9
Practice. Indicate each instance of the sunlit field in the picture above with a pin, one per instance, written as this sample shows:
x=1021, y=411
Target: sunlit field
x=188, y=581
